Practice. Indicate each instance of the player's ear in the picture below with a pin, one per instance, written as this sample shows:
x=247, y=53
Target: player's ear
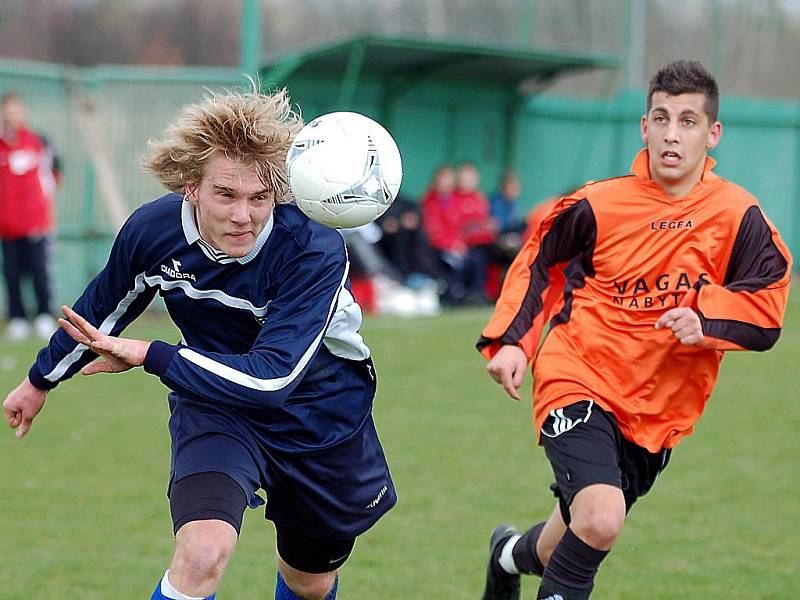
x=190, y=193
x=714, y=135
x=643, y=129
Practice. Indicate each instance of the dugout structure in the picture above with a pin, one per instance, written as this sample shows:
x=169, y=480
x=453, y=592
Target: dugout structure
x=447, y=102
x=443, y=101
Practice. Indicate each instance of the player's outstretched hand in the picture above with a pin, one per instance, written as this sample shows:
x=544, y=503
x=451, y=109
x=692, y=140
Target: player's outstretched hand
x=507, y=368
x=22, y=405
x=118, y=354
x=685, y=325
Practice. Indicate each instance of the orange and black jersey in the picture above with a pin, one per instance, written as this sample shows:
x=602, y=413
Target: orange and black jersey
x=607, y=263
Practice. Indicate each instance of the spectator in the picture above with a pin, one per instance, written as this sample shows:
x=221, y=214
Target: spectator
x=29, y=176
x=440, y=224
x=377, y=284
x=504, y=209
x=478, y=232
x=405, y=244
x=503, y=205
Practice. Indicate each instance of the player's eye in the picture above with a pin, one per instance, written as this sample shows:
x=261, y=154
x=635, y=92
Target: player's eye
x=689, y=122
x=659, y=119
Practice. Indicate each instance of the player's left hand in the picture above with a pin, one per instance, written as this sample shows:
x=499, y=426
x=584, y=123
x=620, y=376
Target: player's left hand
x=684, y=323
x=118, y=354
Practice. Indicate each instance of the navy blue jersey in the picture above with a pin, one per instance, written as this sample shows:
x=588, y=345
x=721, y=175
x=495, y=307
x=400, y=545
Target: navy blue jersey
x=266, y=335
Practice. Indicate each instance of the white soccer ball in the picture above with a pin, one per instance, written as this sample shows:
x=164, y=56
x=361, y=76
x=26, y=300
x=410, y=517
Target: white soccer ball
x=344, y=169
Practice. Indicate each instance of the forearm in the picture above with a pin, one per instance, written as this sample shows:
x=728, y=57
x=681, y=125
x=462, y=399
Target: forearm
x=244, y=381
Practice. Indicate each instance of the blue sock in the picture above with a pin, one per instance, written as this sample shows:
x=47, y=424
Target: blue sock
x=157, y=595
x=282, y=591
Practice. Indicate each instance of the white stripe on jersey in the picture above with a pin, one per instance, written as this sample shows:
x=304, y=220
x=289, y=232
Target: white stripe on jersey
x=197, y=294
x=105, y=327
x=342, y=338
x=255, y=383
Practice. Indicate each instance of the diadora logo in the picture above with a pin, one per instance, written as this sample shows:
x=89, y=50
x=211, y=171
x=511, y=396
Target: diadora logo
x=175, y=271
x=555, y=597
x=379, y=497
x=664, y=290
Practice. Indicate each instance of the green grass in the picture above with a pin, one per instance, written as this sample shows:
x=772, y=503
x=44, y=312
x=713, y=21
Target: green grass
x=83, y=512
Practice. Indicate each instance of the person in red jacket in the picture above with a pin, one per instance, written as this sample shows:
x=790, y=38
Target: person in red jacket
x=29, y=176
x=440, y=224
x=455, y=216
x=478, y=230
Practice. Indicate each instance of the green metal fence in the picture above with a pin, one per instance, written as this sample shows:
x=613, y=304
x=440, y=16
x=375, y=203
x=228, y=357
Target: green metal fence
x=101, y=116
x=553, y=142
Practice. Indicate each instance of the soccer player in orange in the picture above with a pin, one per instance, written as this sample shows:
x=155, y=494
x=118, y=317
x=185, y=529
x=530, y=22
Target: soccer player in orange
x=666, y=268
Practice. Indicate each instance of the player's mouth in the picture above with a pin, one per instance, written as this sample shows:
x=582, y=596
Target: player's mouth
x=670, y=158
x=240, y=235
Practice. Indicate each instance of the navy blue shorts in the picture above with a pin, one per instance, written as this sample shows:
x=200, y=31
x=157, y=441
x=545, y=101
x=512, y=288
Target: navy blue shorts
x=334, y=493
x=585, y=447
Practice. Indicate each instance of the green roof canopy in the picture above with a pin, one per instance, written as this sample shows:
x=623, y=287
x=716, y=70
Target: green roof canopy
x=416, y=59
x=401, y=64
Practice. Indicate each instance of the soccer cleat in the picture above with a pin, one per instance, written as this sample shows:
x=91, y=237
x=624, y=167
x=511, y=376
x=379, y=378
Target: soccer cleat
x=500, y=587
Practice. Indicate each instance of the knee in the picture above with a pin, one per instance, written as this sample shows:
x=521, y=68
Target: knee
x=598, y=527
x=203, y=552
x=310, y=586
x=206, y=558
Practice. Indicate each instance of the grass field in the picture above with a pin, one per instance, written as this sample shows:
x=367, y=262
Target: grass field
x=83, y=512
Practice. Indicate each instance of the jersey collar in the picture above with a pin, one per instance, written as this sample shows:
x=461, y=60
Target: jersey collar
x=192, y=234
x=641, y=166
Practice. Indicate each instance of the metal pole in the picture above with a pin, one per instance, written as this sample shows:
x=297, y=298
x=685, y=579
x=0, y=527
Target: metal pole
x=250, y=37
x=637, y=34
x=525, y=23
x=718, y=29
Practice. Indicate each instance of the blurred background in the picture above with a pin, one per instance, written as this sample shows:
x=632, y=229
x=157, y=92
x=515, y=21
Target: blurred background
x=551, y=90
x=505, y=102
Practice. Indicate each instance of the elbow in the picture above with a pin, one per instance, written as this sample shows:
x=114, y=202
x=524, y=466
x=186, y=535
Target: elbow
x=768, y=339
x=740, y=335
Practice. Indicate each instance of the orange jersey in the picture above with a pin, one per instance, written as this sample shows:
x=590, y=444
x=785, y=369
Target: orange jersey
x=630, y=253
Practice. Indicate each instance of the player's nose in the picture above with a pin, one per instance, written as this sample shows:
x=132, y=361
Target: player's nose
x=240, y=212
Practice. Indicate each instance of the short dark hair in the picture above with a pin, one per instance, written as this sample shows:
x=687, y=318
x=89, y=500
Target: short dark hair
x=9, y=96
x=686, y=77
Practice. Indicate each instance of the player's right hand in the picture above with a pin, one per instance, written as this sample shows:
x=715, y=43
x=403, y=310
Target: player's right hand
x=507, y=368
x=22, y=405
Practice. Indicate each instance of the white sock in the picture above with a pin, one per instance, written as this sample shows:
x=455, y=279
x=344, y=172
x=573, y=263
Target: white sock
x=506, y=559
x=170, y=592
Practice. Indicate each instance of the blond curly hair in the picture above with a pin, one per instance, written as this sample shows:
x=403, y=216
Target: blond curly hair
x=253, y=128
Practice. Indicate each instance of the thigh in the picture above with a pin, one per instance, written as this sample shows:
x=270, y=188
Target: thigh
x=640, y=469
x=36, y=253
x=337, y=493
x=581, y=444
x=12, y=255
x=205, y=440
x=206, y=496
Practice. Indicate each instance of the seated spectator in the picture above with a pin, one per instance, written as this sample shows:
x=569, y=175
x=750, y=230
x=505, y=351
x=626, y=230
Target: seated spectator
x=440, y=224
x=503, y=205
x=377, y=285
x=478, y=232
x=406, y=246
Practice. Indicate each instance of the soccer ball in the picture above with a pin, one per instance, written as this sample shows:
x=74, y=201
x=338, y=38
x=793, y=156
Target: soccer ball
x=344, y=169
